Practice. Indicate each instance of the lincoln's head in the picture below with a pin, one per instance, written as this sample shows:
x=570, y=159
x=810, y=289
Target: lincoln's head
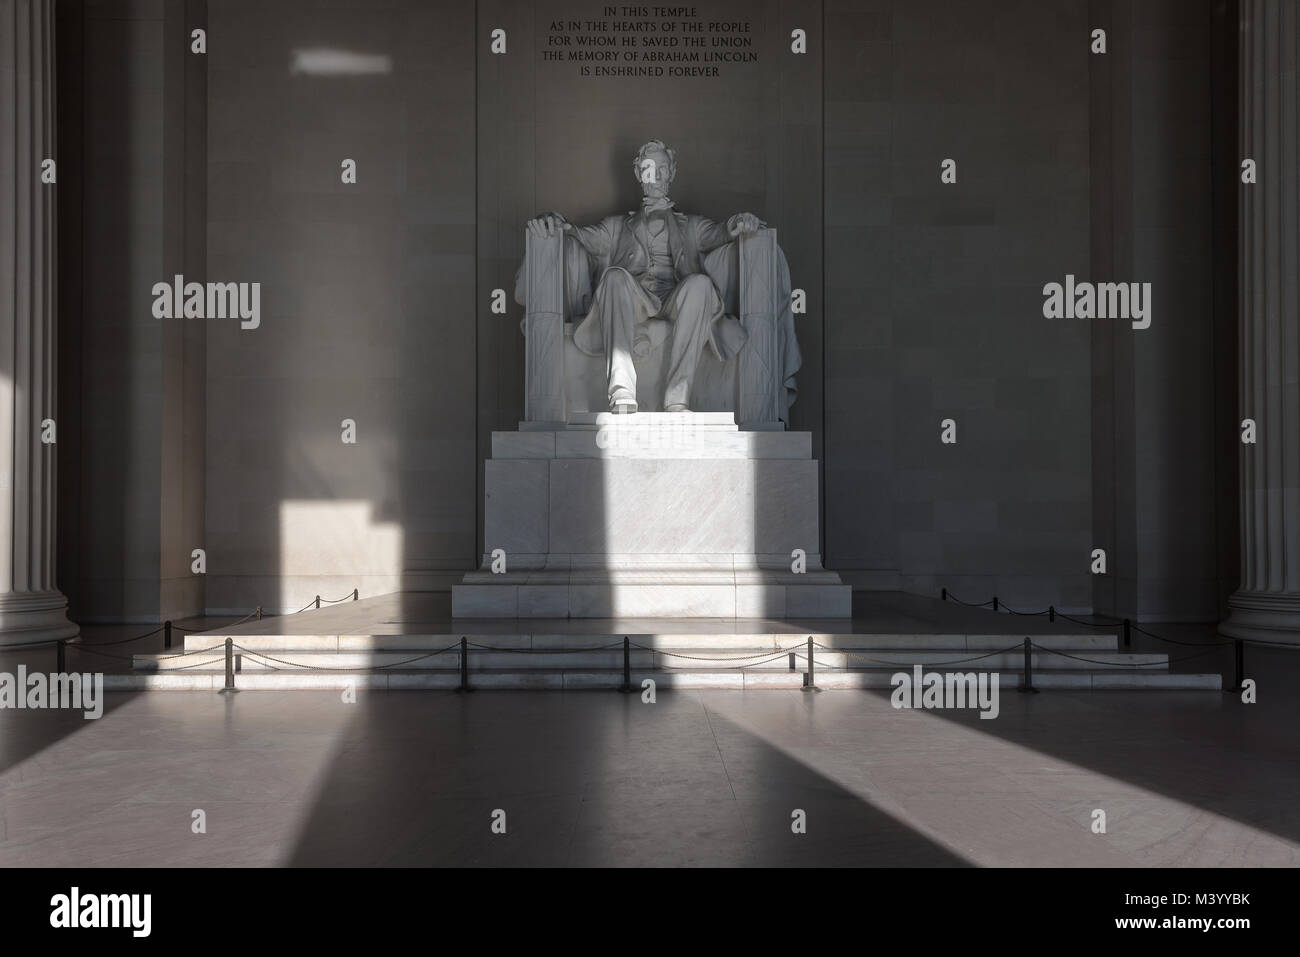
x=655, y=165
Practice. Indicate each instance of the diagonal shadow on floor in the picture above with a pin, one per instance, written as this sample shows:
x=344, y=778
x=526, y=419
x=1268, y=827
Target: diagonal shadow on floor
x=583, y=780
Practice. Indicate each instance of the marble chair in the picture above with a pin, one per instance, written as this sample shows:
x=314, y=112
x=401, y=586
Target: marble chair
x=555, y=282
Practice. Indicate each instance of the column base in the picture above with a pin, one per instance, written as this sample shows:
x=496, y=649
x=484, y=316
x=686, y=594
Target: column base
x=34, y=616
x=1264, y=616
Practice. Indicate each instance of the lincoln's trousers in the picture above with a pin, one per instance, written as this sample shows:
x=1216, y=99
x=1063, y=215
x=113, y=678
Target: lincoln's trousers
x=621, y=303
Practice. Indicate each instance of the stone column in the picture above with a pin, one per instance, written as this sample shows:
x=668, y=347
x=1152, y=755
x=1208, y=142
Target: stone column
x=1267, y=605
x=31, y=608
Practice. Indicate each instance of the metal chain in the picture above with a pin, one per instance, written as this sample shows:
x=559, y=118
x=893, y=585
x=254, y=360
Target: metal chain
x=908, y=664
x=1124, y=664
x=672, y=654
x=544, y=651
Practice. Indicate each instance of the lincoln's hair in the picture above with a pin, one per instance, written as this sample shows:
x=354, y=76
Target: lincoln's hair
x=651, y=147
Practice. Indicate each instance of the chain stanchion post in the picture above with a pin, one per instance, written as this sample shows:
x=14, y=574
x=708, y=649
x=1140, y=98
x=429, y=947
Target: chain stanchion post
x=1128, y=636
x=259, y=612
x=167, y=633
x=318, y=601
x=62, y=653
x=230, y=668
x=810, y=679
x=464, y=664
x=1051, y=613
x=1027, y=686
x=995, y=602
x=627, y=665
x=943, y=594
x=356, y=593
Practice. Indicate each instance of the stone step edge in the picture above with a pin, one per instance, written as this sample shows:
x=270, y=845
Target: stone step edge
x=675, y=642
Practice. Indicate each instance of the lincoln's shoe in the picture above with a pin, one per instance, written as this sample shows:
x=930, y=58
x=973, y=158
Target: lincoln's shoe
x=676, y=407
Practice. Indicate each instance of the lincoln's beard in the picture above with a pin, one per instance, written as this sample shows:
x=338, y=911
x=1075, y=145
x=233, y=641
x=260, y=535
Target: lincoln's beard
x=654, y=193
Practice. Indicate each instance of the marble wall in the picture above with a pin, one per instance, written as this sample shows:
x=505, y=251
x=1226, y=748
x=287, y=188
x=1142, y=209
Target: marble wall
x=925, y=298
x=367, y=299
x=934, y=298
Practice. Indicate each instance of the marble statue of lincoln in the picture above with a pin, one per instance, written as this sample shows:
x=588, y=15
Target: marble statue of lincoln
x=650, y=268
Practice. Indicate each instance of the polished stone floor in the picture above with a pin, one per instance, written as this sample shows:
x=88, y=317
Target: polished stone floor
x=697, y=778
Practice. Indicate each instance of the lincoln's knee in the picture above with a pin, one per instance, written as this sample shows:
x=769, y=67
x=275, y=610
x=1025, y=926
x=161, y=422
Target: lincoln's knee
x=699, y=285
x=616, y=276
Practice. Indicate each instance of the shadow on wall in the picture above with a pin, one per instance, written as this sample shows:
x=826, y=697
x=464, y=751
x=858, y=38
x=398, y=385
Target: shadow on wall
x=110, y=155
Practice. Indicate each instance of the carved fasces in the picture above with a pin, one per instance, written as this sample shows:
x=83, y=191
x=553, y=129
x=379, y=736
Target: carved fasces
x=759, y=377
x=544, y=328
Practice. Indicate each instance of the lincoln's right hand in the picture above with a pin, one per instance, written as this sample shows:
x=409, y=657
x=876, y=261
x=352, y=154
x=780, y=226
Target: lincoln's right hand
x=547, y=225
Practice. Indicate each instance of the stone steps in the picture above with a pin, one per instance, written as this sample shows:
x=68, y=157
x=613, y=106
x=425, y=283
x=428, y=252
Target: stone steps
x=681, y=660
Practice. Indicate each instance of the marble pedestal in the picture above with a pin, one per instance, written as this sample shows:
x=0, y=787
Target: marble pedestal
x=656, y=514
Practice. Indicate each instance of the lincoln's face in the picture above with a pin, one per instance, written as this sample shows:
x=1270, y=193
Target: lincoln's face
x=655, y=173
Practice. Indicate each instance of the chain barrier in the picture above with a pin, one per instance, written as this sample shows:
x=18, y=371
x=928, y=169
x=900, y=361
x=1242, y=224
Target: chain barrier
x=262, y=656
x=183, y=654
x=545, y=651
x=103, y=644
x=1123, y=664
x=75, y=643
x=760, y=654
x=186, y=654
x=909, y=664
x=752, y=664
x=148, y=634
x=123, y=641
x=803, y=656
x=1189, y=644
x=1223, y=643
x=198, y=664
x=798, y=651
x=948, y=596
x=34, y=644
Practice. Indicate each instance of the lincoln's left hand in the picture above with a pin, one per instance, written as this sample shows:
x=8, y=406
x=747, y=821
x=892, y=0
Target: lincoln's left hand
x=744, y=223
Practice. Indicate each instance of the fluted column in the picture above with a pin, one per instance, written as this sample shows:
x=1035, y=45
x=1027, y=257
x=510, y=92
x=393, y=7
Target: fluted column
x=31, y=608
x=1267, y=605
